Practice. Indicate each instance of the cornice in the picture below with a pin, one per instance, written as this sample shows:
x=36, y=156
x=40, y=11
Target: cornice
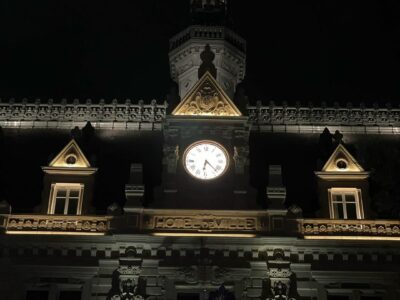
x=140, y=116
x=342, y=175
x=69, y=171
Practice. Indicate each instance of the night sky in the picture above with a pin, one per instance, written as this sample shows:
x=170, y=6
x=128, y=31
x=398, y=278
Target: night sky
x=297, y=50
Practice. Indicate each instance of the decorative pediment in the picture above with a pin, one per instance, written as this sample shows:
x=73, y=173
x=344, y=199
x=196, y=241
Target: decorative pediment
x=70, y=160
x=71, y=156
x=341, y=160
x=341, y=165
x=207, y=98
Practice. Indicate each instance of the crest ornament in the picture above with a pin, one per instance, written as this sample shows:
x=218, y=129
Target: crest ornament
x=207, y=98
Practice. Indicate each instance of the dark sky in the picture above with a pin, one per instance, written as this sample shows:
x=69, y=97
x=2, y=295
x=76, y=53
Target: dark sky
x=297, y=50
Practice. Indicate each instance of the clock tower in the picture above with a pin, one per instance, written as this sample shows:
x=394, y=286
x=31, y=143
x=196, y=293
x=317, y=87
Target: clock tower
x=206, y=149
x=209, y=18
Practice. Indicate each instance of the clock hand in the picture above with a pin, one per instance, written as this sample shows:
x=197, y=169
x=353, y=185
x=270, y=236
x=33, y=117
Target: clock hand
x=210, y=165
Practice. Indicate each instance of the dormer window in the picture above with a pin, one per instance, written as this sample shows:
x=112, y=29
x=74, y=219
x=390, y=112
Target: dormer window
x=66, y=199
x=345, y=203
x=68, y=183
x=341, y=183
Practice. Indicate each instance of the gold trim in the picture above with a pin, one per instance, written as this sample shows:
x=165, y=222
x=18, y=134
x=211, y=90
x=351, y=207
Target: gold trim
x=222, y=148
x=71, y=149
x=341, y=153
x=207, y=98
x=52, y=233
x=345, y=191
x=69, y=171
x=178, y=234
x=357, y=237
x=344, y=175
x=66, y=186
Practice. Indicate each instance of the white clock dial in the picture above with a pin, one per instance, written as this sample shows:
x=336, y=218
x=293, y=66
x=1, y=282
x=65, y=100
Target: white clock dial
x=205, y=160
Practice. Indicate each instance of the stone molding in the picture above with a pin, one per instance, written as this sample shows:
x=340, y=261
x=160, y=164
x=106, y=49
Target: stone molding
x=201, y=221
x=57, y=224
x=140, y=116
x=326, y=227
x=322, y=115
x=207, y=32
x=68, y=115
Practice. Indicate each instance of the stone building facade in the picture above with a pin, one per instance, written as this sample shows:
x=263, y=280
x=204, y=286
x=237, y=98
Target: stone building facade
x=221, y=200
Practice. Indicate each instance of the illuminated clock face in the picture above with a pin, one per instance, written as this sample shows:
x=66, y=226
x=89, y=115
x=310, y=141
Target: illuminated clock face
x=205, y=160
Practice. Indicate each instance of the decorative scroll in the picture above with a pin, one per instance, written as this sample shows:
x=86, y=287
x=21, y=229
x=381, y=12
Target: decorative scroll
x=61, y=224
x=349, y=227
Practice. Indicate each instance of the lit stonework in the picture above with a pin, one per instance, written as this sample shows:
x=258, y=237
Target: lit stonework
x=206, y=98
x=123, y=218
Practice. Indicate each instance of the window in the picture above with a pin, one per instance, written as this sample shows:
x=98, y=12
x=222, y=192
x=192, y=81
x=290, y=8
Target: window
x=37, y=295
x=345, y=203
x=66, y=199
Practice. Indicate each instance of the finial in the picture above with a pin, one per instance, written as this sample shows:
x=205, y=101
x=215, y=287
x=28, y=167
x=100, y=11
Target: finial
x=207, y=56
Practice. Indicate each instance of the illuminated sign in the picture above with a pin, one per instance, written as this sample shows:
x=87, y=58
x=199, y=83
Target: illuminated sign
x=203, y=223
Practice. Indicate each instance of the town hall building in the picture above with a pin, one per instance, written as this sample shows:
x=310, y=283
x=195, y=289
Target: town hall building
x=201, y=197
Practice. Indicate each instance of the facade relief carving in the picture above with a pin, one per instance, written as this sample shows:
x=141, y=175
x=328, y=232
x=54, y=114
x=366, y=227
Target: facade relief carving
x=127, y=284
x=240, y=156
x=11, y=113
x=221, y=275
x=171, y=157
x=281, y=280
x=206, y=98
x=188, y=275
x=207, y=101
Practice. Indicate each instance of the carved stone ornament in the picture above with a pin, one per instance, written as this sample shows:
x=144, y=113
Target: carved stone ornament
x=140, y=116
x=240, y=157
x=171, y=157
x=221, y=275
x=206, y=99
x=127, y=284
x=188, y=275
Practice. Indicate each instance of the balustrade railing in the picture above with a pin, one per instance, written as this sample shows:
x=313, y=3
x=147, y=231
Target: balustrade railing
x=56, y=224
x=201, y=32
x=328, y=227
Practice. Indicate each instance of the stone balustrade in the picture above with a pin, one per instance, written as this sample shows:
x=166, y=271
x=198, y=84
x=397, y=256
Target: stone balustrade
x=207, y=32
x=366, y=228
x=56, y=224
x=211, y=223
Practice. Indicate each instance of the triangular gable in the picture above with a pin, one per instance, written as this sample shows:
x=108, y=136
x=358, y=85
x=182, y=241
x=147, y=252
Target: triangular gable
x=207, y=98
x=341, y=158
x=71, y=156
